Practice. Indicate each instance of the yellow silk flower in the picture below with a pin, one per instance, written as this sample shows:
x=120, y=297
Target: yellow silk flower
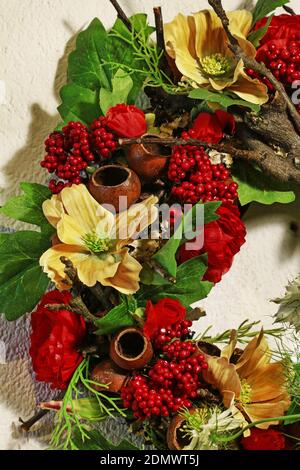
x=254, y=385
x=199, y=46
x=95, y=240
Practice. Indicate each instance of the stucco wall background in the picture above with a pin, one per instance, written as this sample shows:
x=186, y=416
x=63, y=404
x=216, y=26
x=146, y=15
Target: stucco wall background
x=35, y=39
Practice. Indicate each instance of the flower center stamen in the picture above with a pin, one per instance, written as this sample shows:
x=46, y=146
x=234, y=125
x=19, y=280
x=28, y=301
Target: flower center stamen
x=96, y=244
x=216, y=64
x=245, y=397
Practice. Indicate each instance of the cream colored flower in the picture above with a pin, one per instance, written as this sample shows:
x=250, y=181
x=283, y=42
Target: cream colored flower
x=95, y=240
x=253, y=384
x=199, y=46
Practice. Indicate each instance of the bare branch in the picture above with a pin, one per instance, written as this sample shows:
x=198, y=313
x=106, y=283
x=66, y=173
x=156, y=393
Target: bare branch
x=121, y=14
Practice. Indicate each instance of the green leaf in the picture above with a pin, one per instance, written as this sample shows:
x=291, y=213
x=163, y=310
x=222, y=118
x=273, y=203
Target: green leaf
x=88, y=408
x=121, y=86
x=121, y=50
x=289, y=305
x=79, y=104
x=117, y=318
x=166, y=256
x=28, y=206
x=254, y=185
x=85, y=65
x=189, y=287
x=295, y=405
x=22, y=281
x=96, y=441
x=264, y=7
x=222, y=98
x=256, y=36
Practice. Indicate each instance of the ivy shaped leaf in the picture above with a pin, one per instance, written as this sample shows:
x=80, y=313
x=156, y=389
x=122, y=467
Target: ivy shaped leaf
x=121, y=86
x=188, y=288
x=28, y=206
x=78, y=104
x=120, y=316
x=222, y=98
x=166, y=256
x=254, y=185
x=22, y=281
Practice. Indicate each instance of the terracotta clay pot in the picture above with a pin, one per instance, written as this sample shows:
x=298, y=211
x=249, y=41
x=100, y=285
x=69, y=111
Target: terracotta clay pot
x=176, y=440
x=108, y=373
x=110, y=182
x=131, y=349
x=147, y=160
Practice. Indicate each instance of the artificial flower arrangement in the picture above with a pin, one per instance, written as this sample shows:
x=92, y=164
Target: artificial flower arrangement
x=200, y=119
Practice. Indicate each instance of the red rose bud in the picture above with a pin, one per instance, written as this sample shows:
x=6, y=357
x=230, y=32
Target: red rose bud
x=223, y=238
x=281, y=27
x=263, y=439
x=162, y=315
x=54, y=340
x=211, y=127
x=126, y=121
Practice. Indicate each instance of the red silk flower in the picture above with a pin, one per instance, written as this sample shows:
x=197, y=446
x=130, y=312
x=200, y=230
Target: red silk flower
x=162, y=315
x=223, y=238
x=126, y=121
x=263, y=439
x=281, y=27
x=54, y=340
x=211, y=127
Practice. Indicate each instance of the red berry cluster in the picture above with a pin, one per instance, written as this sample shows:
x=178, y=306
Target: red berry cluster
x=197, y=178
x=165, y=335
x=171, y=384
x=103, y=140
x=284, y=62
x=70, y=151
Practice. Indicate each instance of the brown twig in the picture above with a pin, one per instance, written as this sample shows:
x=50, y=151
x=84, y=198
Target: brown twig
x=26, y=425
x=289, y=10
x=121, y=14
x=159, y=28
x=252, y=63
x=75, y=305
x=98, y=291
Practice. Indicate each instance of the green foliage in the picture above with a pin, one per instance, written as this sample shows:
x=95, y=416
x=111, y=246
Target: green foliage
x=78, y=104
x=93, y=66
x=254, y=185
x=94, y=440
x=289, y=305
x=28, y=206
x=121, y=86
x=188, y=287
x=221, y=98
x=22, y=281
x=74, y=411
x=264, y=7
x=85, y=66
x=256, y=36
x=294, y=390
x=119, y=317
x=166, y=255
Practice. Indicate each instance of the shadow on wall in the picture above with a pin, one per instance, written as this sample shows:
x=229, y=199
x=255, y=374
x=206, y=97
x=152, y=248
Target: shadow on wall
x=25, y=163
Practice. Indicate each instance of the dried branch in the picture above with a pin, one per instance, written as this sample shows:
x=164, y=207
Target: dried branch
x=26, y=425
x=159, y=28
x=252, y=63
x=75, y=305
x=121, y=14
x=289, y=10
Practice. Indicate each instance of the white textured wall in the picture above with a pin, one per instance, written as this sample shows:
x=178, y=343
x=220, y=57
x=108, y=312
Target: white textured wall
x=35, y=38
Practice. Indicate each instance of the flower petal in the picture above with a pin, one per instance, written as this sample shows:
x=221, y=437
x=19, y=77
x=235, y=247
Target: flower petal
x=180, y=45
x=255, y=355
x=267, y=383
x=210, y=35
x=85, y=210
x=53, y=209
x=240, y=22
x=249, y=89
x=272, y=409
x=126, y=279
x=93, y=269
x=69, y=231
x=222, y=375
x=129, y=224
x=50, y=261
